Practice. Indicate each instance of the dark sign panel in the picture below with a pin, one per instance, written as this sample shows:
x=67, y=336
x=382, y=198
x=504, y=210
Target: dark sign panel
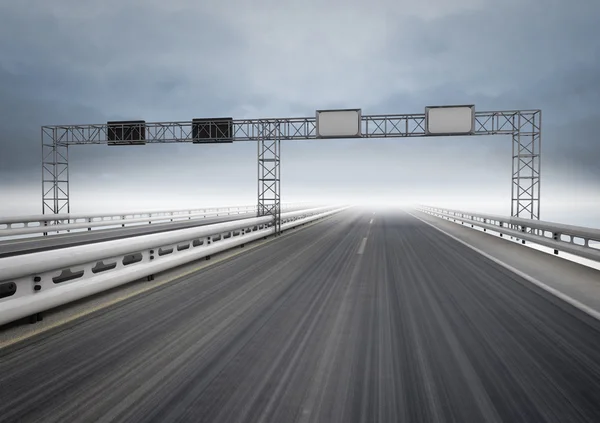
x=130, y=132
x=215, y=130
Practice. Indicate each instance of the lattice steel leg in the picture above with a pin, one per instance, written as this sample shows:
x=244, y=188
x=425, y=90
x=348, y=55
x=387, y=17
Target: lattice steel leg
x=55, y=173
x=269, y=199
x=526, y=166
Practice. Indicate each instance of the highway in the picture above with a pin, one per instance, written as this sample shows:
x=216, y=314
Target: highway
x=72, y=239
x=360, y=318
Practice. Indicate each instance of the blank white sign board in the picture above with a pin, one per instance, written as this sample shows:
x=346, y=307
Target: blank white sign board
x=452, y=120
x=338, y=123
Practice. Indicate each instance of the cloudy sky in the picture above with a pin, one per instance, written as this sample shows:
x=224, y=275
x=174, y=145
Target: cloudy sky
x=75, y=61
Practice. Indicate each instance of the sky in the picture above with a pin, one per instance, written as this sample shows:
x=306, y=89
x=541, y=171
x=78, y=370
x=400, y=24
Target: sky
x=80, y=62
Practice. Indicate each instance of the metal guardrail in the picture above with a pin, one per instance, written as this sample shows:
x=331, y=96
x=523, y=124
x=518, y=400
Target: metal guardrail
x=75, y=217
x=577, y=240
x=67, y=227
x=25, y=225
x=36, y=282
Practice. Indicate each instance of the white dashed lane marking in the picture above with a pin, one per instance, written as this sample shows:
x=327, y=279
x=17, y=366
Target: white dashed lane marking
x=363, y=243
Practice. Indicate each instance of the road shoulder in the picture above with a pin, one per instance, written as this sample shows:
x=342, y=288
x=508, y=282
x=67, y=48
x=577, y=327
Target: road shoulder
x=573, y=280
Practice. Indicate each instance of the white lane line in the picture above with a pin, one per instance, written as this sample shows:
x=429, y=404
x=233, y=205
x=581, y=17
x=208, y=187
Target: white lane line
x=575, y=303
x=371, y=222
x=363, y=244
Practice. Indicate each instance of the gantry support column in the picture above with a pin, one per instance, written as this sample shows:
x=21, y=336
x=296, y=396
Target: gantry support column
x=55, y=172
x=526, y=165
x=269, y=198
x=525, y=129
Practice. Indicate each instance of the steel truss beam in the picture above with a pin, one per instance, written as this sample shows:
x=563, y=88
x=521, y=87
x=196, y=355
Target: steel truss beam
x=524, y=126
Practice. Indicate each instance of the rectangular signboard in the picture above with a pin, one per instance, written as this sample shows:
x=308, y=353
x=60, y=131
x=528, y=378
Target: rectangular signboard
x=126, y=132
x=213, y=130
x=339, y=123
x=450, y=120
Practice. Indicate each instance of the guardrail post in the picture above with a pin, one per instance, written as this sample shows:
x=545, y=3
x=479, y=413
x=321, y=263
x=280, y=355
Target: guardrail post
x=34, y=318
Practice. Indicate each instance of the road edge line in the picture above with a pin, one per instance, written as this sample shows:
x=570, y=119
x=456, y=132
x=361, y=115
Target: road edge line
x=561, y=295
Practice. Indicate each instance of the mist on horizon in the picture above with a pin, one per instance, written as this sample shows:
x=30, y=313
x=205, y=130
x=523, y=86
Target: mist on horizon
x=403, y=58
x=458, y=173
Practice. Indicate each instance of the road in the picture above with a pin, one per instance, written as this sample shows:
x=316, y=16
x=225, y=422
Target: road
x=321, y=326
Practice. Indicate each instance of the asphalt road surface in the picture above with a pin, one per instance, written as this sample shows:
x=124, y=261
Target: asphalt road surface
x=321, y=326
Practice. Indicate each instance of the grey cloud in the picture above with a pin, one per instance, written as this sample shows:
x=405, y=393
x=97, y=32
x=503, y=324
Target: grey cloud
x=500, y=46
x=574, y=149
x=128, y=59
x=72, y=62
x=22, y=113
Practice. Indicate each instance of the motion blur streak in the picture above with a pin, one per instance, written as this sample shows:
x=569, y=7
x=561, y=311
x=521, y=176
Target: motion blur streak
x=417, y=328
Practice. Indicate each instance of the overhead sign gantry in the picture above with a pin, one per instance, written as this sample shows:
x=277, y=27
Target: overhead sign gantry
x=523, y=126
